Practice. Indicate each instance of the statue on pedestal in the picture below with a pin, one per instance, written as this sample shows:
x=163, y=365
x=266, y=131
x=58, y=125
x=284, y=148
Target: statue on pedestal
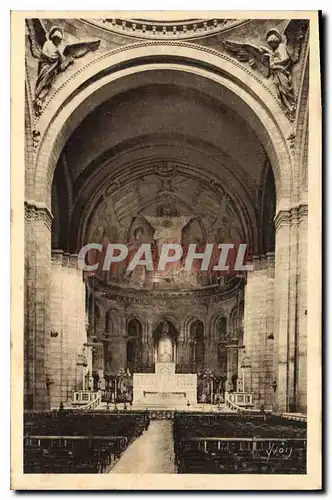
x=165, y=346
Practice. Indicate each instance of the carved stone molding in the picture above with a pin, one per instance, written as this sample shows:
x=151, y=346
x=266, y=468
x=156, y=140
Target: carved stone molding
x=294, y=215
x=150, y=43
x=167, y=300
x=302, y=213
x=36, y=136
x=184, y=30
x=264, y=261
x=37, y=212
x=270, y=257
x=58, y=257
x=291, y=139
x=282, y=219
x=304, y=60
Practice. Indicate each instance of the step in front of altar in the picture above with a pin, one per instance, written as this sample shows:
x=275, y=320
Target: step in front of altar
x=164, y=388
x=165, y=398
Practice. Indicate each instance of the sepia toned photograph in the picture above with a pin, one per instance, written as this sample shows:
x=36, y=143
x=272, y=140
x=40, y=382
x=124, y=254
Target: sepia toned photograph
x=163, y=333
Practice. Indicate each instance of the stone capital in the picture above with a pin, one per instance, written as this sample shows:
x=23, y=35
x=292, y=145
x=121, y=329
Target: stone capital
x=294, y=215
x=34, y=212
x=58, y=257
x=263, y=261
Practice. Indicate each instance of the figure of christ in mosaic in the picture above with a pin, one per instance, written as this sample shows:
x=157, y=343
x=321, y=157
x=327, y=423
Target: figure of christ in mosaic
x=168, y=230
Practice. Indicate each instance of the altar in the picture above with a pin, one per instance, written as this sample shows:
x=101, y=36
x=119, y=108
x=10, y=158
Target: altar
x=164, y=388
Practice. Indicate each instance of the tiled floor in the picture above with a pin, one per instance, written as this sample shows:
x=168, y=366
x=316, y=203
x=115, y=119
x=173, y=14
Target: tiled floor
x=150, y=453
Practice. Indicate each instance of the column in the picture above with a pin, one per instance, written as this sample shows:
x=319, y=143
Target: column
x=68, y=336
x=148, y=354
x=181, y=361
x=290, y=309
x=37, y=327
x=98, y=364
x=232, y=366
x=211, y=350
x=145, y=351
x=119, y=353
x=258, y=314
x=301, y=379
x=119, y=346
x=186, y=352
x=292, y=318
x=282, y=263
x=270, y=340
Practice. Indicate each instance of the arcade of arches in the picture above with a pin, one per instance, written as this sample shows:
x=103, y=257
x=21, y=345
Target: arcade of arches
x=124, y=134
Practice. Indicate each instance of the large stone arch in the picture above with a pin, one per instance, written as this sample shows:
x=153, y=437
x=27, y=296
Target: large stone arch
x=94, y=83
x=168, y=318
x=133, y=314
x=189, y=321
x=244, y=92
x=112, y=320
x=300, y=141
x=214, y=320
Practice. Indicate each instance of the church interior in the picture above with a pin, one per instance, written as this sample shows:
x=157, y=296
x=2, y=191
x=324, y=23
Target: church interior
x=140, y=138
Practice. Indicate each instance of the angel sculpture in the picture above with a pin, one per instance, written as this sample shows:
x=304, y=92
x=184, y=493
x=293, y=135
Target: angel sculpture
x=275, y=60
x=52, y=59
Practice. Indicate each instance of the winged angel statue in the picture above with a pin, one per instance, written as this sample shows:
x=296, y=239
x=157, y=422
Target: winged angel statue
x=275, y=60
x=46, y=47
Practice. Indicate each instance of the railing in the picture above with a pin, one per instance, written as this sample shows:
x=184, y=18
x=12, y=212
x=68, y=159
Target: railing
x=54, y=453
x=294, y=416
x=94, y=403
x=36, y=440
x=239, y=401
x=87, y=400
x=256, y=446
x=231, y=405
x=241, y=398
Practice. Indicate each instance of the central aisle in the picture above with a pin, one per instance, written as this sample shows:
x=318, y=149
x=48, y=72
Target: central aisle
x=152, y=452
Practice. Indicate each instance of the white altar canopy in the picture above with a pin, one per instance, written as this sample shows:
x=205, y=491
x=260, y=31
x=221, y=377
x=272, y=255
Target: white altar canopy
x=165, y=388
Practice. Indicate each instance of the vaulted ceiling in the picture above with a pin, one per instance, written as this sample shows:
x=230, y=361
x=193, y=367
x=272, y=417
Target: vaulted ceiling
x=122, y=148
